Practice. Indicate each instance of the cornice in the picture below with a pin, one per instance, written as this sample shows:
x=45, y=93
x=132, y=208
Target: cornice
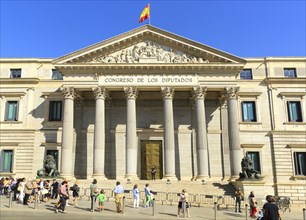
x=19, y=80
x=149, y=68
x=285, y=80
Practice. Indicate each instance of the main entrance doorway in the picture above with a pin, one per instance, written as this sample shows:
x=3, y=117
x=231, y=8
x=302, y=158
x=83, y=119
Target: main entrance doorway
x=151, y=154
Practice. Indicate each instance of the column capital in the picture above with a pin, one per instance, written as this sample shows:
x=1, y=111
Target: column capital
x=222, y=101
x=68, y=92
x=167, y=92
x=231, y=92
x=130, y=92
x=100, y=92
x=199, y=92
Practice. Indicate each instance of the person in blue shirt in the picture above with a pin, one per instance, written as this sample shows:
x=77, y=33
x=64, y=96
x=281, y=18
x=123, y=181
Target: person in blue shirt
x=136, y=196
x=119, y=193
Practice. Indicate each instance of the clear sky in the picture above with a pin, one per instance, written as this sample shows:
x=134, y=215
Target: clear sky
x=246, y=28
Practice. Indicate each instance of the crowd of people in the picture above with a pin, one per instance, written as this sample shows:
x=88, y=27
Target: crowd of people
x=25, y=191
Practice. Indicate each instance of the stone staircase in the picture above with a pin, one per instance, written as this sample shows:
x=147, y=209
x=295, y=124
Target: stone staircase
x=217, y=188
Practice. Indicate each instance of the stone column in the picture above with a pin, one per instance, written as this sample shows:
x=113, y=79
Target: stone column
x=201, y=133
x=69, y=94
x=226, y=166
x=100, y=94
x=169, y=150
x=131, y=135
x=233, y=130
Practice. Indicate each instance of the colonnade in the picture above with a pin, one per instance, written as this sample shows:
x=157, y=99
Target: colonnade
x=131, y=93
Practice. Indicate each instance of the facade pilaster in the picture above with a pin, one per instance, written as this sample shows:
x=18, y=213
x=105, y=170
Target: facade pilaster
x=131, y=135
x=201, y=132
x=69, y=94
x=169, y=145
x=233, y=130
x=100, y=94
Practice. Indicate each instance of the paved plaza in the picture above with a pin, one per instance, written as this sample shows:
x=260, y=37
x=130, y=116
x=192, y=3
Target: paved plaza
x=82, y=211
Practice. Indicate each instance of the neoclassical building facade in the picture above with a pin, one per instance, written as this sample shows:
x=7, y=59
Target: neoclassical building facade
x=149, y=97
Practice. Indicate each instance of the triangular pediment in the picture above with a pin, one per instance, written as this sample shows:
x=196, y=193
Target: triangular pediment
x=150, y=45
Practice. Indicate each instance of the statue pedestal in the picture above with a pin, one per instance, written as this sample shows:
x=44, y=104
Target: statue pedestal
x=260, y=187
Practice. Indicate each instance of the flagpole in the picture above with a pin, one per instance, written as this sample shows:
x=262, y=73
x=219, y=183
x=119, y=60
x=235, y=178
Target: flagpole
x=149, y=14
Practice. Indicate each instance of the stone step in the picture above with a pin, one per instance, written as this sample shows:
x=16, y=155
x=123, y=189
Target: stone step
x=193, y=187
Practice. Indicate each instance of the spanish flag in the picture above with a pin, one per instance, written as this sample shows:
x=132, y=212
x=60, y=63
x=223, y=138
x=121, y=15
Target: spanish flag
x=145, y=13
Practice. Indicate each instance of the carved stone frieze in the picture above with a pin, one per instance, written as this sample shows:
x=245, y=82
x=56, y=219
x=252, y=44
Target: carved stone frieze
x=167, y=92
x=231, y=92
x=199, y=92
x=69, y=92
x=100, y=92
x=147, y=52
x=131, y=92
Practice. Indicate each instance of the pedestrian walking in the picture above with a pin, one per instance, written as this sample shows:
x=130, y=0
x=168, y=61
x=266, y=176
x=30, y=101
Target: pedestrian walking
x=101, y=199
x=183, y=199
x=63, y=197
x=270, y=209
x=238, y=199
x=75, y=192
x=148, y=195
x=253, y=205
x=136, y=196
x=119, y=193
x=93, y=194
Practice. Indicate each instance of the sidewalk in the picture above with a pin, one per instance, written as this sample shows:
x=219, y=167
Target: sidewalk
x=82, y=211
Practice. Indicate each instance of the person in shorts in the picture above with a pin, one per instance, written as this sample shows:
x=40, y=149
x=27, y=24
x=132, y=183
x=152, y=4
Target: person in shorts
x=183, y=199
x=101, y=199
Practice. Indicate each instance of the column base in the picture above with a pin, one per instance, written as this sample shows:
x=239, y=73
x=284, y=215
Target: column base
x=99, y=177
x=69, y=177
x=131, y=177
x=170, y=178
x=233, y=178
x=201, y=177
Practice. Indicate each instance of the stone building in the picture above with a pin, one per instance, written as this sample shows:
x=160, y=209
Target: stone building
x=150, y=97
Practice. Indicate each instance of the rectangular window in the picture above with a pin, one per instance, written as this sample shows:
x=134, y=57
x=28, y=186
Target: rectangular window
x=15, y=73
x=254, y=157
x=7, y=165
x=11, y=113
x=55, y=111
x=246, y=74
x=249, y=111
x=56, y=75
x=294, y=111
x=300, y=163
x=54, y=153
x=290, y=72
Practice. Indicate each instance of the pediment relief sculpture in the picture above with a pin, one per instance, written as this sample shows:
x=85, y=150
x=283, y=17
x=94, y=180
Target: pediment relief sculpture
x=147, y=52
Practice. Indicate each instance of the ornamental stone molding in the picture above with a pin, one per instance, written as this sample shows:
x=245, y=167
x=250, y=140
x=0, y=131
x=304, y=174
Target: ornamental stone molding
x=231, y=92
x=69, y=92
x=100, y=92
x=199, y=92
x=167, y=92
x=131, y=92
x=147, y=52
x=222, y=101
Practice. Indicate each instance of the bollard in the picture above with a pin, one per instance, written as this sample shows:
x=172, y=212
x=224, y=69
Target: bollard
x=184, y=209
x=10, y=199
x=215, y=207
x=36, y=201
x=123, y=204
x=304, y=214
x=246, y=211
x=153, y=207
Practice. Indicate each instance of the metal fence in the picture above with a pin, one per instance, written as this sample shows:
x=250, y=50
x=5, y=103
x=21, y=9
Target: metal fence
x=194, y=199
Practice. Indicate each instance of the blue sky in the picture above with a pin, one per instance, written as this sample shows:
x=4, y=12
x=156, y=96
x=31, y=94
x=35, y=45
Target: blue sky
x=50, y=29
